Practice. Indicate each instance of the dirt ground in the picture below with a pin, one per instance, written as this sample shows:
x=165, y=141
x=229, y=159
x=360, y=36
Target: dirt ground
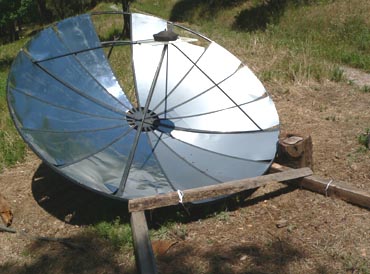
x=277, y=229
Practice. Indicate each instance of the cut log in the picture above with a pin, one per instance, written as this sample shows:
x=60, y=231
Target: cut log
x=328, y=187
x=207, y=192
x=295, y=151
x=145, y=261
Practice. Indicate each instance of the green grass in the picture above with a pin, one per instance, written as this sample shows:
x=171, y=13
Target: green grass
x=365, y=89
x=363, y=138
x=289, y=40
x=12, y=147
x=355, y=264
x=338, y=31
x=337, y=74
x=116, y=232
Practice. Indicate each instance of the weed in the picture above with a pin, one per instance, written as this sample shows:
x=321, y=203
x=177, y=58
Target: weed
x=355, y=265
x=364, y=138
x=163, y=231
x=332, y=118
x=12, y=147
x=117, y=233
x=169, y=230
x=365, y=89
x=222, y=216
x=337, y=74
x=26, y=253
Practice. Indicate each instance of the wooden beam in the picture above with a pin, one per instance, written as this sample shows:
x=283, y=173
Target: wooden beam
x=207, y=192
x=328, y=187
x=145, y=261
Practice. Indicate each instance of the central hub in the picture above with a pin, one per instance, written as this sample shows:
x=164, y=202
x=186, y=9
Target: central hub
x=135, y=117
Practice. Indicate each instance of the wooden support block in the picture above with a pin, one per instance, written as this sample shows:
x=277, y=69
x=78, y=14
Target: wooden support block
x=207, y=192
x=331, y=188
x=295, y=151
x=145, y=261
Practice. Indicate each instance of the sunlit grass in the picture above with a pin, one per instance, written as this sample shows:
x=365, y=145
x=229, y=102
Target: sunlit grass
x=12, y=147
x=116, y=232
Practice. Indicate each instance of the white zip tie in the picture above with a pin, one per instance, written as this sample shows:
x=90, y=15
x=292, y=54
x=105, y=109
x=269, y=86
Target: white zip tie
x=181, y=195
x=327, y=187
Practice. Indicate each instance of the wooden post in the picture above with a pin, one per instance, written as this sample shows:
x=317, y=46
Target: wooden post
x=145, y=261
x=330, y=188
x=295, y=151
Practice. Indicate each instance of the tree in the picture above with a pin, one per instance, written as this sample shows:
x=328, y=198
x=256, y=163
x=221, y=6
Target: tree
x=65, y=8
x=44, y=14
x=11, y=15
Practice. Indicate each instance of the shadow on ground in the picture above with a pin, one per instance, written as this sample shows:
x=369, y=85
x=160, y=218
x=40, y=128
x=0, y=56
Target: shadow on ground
x=185, y=10
x=243, y=258
x=259, y=17
x=77, y=205
x=91, y=254
x=88, y=254
x=255, y=17
x=72, y=203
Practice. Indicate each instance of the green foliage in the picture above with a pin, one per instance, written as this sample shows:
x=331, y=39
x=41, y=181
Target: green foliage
x=169, y=230
x=12, y=147
x=12, y=10
x=329, y=30
x=364, y=138
x=353, y=264
x=64, y=8
x=117, y=233
x=365, y=89
x=337, y=74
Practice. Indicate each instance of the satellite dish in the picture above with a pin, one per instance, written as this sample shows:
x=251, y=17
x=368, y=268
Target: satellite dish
x=199, y=116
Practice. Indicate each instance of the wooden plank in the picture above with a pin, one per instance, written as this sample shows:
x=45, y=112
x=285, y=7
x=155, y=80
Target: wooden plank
x=206, y=192
x=145, y=261
x=328, y=187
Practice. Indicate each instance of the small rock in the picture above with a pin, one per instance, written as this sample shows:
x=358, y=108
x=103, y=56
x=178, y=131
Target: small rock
x=281, y=223
x=243, y=258
x=69, y=217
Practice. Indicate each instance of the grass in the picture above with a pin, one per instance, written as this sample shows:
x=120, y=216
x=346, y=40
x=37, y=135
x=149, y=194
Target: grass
x=354, y=264
x=12, y=147
x=116, y=232
x=119, y=234
x=294, y=41
x=337, y=74
x=363, y=138
x=365, y=89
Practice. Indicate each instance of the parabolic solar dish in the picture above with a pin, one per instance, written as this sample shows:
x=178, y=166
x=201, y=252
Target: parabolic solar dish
x=194, y=115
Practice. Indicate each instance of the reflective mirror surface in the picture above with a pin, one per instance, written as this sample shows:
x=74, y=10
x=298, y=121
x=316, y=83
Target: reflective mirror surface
x=197, y=115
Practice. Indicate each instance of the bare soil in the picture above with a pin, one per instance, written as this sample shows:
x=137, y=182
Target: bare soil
x=276, y=229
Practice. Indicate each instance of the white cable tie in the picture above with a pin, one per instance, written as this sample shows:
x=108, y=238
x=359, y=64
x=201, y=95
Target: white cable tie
x=327, y=188
x=181, y=195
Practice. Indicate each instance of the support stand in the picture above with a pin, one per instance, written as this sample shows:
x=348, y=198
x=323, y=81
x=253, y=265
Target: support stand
x=295, y=151
x=145, y=261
